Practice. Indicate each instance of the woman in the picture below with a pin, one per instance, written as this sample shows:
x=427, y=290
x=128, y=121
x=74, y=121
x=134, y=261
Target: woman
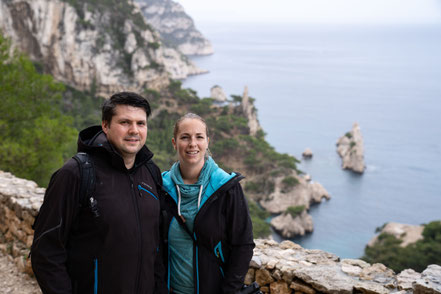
x=210, y=239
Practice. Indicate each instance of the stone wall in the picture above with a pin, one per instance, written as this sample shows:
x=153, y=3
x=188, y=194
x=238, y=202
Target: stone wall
x=19, y=203
x=278, y=268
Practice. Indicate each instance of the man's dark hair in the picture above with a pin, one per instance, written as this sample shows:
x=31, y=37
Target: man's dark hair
x=123, y=98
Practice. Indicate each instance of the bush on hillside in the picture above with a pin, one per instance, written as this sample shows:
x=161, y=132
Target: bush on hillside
x=417, y=256
x=36, y=136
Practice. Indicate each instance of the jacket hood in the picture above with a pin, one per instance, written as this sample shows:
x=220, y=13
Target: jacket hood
x=94, y=140
x=219, y=179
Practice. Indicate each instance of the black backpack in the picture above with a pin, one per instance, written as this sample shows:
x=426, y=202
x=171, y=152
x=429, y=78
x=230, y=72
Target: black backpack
x=88, y=178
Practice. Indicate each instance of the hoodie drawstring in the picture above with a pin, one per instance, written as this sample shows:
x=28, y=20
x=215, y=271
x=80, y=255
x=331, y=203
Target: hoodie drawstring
x=179, y=200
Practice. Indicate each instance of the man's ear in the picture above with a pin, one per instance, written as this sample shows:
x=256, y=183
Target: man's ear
x=105, y=126
x=174, y=143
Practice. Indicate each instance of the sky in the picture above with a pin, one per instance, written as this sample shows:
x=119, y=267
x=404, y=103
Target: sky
x=315, y=11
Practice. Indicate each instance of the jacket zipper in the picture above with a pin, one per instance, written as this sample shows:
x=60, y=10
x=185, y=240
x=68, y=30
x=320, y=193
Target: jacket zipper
x=203, y=208
x=138, y=222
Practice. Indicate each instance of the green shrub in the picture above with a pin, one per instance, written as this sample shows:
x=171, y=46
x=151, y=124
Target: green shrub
x=349, y=135
x=224, y=147
x=288, y=183
x=352, y=144
x=295, y=211
x=261, y=228
x=253, y=187
x=417, y=256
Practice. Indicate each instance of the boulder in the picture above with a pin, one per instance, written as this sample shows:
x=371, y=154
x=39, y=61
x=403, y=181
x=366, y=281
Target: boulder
x=307, y=153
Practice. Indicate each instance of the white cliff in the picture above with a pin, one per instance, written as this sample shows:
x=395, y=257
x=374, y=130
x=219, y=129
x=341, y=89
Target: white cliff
x=91, y=47
x=176, y=28
x=351, y=150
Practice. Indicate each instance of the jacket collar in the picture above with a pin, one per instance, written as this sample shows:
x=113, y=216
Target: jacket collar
x=93, y=140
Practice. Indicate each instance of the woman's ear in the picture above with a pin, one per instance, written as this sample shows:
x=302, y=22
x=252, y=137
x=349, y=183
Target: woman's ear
x=174, y=143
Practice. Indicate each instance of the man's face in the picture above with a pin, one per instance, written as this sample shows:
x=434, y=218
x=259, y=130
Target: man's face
x=127, y=131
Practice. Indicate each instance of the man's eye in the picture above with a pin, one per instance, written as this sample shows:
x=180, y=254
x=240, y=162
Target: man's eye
x=124, y=122
x=141, y=124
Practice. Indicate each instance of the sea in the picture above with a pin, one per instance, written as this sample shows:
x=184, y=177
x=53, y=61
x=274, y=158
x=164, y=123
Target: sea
x=311, y=84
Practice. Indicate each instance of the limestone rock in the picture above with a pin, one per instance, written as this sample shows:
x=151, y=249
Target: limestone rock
x=279, y=287
x=430, y=281
x=250, y=112
x=406, y=279
x=288, y=227
x=307, y=153
x=351, y=150
x=304, y=193
x=176, y=28
x=407, y=233
x=218, y=94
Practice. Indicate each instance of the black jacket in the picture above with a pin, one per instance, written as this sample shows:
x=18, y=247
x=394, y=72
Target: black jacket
x=118, y=252
x=223, y=232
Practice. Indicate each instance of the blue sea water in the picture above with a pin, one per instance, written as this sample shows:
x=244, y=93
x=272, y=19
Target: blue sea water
x=311, y=83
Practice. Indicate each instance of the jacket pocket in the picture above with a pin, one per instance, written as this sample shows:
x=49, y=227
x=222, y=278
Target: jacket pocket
x=143, y=192
x=220, y=256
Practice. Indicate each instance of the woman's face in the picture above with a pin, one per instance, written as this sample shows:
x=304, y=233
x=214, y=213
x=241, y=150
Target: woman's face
x=191, y=142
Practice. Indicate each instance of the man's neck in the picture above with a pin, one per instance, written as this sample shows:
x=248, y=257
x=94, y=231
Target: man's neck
x=129, y=162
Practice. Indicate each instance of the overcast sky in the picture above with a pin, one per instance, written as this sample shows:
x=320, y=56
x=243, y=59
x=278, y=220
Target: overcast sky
x=315, y=11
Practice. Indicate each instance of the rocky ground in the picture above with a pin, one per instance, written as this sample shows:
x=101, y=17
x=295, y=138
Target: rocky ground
x=14, y=282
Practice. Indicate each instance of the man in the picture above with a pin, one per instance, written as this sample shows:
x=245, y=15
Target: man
x=110, y=245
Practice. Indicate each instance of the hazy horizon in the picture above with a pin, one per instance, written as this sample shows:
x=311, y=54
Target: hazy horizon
x=316, y=11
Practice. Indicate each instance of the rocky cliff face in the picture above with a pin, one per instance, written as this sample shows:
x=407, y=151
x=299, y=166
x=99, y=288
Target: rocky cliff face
x=92, y=47
x=176, y=28
x=351, y=150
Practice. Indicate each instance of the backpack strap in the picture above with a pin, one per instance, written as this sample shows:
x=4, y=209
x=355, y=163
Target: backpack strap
x=87, y=184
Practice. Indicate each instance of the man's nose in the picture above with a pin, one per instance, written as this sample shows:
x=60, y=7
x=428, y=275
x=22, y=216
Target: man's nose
x=133, y=128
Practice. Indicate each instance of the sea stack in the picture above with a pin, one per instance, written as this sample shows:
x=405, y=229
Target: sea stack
x=350, y=148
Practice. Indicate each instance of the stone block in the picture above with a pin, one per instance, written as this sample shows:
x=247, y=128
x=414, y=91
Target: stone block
x=263, y=277
x=430, y=281
x=300, y=287
x=249, y=277
x=279, y=287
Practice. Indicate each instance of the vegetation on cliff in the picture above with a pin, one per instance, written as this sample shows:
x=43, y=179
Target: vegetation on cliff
x=418, y=256
x=35, y=135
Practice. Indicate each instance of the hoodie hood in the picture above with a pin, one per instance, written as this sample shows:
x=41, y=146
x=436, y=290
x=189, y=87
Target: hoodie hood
x=219, y=179
x=94, y=140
